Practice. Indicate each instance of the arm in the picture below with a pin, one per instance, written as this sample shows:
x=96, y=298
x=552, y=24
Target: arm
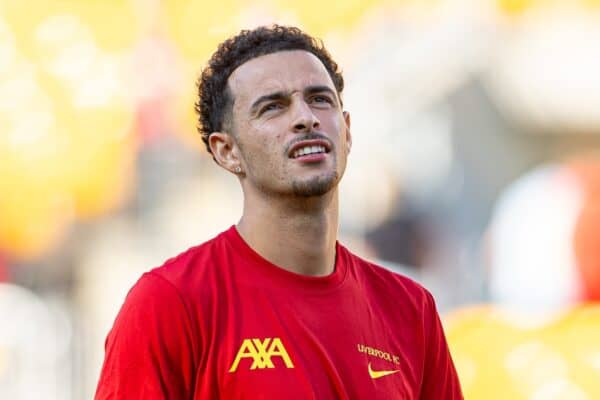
x=440, y=380
x=150, y=348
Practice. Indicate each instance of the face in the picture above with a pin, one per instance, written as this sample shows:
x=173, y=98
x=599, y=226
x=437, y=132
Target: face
x=289, y=133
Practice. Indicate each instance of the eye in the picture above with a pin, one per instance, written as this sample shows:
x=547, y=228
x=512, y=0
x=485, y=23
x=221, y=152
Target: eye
x=322, y=99
x=271, y=107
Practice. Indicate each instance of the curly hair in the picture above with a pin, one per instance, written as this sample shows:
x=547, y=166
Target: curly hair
x=214, y=97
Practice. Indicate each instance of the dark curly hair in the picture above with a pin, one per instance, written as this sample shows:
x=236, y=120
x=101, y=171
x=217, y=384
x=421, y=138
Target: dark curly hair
x=214, y=97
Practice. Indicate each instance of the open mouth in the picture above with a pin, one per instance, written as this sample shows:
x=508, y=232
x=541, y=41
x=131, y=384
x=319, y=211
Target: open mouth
x=307, y=150
x=310, y=149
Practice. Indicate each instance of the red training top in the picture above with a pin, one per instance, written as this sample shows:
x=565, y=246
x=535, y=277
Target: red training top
x=221, y=322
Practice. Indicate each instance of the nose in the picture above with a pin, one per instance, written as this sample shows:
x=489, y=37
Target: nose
x=304, y=120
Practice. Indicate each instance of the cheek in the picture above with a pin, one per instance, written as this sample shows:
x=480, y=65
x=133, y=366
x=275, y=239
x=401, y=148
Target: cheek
x=266, y=134
x=262, y=148
x=338, y=129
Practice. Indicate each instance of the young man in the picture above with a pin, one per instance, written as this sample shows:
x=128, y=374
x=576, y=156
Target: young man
x=275, y=307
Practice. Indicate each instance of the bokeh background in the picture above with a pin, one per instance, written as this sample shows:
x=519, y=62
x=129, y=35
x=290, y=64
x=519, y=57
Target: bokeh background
x=475, y=170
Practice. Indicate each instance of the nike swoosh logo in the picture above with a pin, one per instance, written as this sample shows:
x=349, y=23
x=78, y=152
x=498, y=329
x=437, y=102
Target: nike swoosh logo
x=380, y=374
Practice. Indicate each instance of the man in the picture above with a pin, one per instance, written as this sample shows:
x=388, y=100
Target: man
x=275, y=307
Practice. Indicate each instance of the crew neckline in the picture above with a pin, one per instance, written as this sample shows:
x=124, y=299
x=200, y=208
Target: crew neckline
x=281, y=277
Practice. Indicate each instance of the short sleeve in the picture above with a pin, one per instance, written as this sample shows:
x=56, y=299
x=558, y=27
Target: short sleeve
x=440, y=380
x=149, y=350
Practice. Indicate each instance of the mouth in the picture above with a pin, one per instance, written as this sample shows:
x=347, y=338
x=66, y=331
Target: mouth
x=309, y=149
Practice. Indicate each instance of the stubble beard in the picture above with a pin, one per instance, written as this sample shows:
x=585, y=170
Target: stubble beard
x=304, y=188
x=315, y=186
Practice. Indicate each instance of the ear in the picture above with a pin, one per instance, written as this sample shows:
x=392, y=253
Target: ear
x=225, y=151
x=348, y=133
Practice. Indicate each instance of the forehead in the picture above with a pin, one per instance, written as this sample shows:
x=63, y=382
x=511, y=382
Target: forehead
x=281, y=71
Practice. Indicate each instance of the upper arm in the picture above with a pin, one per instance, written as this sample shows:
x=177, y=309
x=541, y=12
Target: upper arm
x=150, y=348
x=440, y=380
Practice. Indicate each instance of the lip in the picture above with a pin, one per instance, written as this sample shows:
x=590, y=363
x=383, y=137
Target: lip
x=311, y=158
x=314, y=142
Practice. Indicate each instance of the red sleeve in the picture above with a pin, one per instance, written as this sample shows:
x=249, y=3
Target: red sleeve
x=440, y=380
x=149, y=350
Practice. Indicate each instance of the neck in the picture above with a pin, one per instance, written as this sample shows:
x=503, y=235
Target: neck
x=298, y=235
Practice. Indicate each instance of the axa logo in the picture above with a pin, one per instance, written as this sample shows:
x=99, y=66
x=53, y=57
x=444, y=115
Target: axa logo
x=261, y=352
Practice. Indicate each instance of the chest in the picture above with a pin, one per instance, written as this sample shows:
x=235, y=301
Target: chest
x=343, y=346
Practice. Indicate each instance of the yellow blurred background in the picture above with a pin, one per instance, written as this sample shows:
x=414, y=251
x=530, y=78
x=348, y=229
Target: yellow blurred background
x=475, y=170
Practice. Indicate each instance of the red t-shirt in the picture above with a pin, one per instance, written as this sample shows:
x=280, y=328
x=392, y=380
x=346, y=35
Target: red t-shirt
x=221, y=322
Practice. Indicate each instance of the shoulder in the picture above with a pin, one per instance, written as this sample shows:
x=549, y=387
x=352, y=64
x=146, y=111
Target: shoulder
x=195, y=266
x=190, y=280
x=388, y=283
x=179, y=288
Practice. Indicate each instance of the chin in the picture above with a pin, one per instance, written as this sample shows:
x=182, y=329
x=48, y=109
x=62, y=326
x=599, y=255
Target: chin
x=317, y=186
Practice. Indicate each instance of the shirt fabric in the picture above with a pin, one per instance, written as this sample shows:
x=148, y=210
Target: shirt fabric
x=221, y=322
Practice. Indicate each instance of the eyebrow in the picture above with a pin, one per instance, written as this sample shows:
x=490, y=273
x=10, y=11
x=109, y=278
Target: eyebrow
x=319, y=89
x=268, y=97
x=282, y=95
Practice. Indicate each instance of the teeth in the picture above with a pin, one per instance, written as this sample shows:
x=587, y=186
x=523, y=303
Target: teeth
x=309, y=150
